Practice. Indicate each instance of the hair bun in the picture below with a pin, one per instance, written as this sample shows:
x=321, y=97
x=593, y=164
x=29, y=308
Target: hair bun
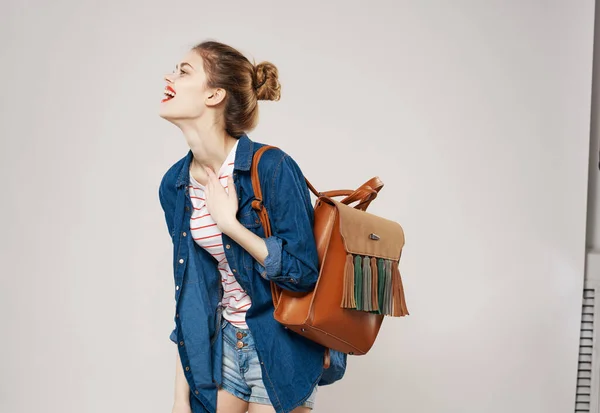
x=266, y=81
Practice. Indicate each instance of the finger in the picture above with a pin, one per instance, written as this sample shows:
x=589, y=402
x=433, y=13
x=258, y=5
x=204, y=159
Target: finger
x=230, y=186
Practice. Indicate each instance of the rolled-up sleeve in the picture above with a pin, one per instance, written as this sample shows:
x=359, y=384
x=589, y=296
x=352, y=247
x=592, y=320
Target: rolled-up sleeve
x=292, y=260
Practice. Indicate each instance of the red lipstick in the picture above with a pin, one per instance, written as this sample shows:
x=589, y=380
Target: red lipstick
x=169, y=93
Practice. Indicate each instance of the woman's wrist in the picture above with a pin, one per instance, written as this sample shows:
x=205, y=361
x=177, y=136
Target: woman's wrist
x=230, y=226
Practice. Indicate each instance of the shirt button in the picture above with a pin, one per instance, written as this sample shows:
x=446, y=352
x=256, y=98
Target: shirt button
x=227, y=246
x=177, y=315
x=239, y=335
x=181, y=260
x=196, y=392
x=184, y=234
x=239, y=344
x=181, y=343
x=177, y=287
x=187, y=208
x=187, y=368
x=234, y=270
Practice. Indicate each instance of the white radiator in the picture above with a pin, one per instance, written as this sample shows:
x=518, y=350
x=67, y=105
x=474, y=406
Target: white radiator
x=588, y=373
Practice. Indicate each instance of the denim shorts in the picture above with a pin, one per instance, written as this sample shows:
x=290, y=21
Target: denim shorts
x=242, y=375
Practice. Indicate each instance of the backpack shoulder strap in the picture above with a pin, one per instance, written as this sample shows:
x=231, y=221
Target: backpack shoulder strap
x=257, y=203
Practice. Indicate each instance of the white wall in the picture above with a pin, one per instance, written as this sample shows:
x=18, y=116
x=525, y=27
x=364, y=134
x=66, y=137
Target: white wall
x=592, y=268
x=593, y=213
x=475, y=114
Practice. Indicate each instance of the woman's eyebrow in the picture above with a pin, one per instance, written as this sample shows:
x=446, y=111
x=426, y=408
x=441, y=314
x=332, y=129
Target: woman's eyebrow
x=183, y=64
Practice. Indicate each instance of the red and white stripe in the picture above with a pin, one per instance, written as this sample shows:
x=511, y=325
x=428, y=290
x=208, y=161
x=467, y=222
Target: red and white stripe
x=205, y=233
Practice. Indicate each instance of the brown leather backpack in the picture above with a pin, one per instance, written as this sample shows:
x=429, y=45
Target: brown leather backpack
x=359, y=280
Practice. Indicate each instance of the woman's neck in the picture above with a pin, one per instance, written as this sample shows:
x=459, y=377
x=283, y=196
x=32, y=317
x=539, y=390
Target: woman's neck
x=210, y=152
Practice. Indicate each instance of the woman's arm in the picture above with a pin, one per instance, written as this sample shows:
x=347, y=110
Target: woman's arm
x=289, y=256
x=247, y=239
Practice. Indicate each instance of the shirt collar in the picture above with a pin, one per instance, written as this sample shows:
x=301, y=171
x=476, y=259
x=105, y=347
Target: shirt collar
x=243, y=159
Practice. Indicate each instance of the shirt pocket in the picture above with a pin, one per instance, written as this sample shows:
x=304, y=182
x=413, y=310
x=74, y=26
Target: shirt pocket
x=248, y=217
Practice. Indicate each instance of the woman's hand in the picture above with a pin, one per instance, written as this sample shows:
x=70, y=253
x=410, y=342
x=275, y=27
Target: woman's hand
x=222, y=205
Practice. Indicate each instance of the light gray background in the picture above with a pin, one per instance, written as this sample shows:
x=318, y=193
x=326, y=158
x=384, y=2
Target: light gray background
x=475, y=114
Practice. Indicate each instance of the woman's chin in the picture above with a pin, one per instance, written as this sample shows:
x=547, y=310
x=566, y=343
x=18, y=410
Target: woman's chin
x=164, y=112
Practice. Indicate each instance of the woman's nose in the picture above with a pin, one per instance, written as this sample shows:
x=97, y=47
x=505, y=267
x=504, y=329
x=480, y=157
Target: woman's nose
x=169, y=77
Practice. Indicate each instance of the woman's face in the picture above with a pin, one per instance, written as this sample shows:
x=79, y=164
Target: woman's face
x=185, y=96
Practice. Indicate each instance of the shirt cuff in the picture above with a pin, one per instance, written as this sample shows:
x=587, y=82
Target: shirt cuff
x=272, y=267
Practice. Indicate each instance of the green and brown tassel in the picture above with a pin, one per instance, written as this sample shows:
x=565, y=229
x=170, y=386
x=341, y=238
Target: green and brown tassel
x=374, y=285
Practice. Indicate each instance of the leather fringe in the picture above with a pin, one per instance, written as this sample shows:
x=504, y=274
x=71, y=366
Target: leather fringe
x=358, y=282
x=348, y=293
x=381, y=283
x=374, y=285
x=366, y=291
x=387, y=299
x=399, y=301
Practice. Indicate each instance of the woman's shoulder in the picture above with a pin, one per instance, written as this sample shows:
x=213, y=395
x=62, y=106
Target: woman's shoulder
x=274, y=159
x=269, y=156
x=169, y=178
x=280, y=174
x=283, y=183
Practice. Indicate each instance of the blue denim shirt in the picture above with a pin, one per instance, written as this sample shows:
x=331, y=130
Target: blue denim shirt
x=291, y=365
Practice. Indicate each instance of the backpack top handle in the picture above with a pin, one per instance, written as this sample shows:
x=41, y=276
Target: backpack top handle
x=364, y=194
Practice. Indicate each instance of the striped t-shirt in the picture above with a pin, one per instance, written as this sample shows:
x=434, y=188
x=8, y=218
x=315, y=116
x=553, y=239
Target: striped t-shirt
x=207, y=235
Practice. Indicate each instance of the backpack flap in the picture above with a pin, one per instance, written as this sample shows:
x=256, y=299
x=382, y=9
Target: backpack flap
x=373, y=244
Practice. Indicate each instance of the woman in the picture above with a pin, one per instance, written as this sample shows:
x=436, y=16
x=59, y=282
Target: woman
x=232, y=354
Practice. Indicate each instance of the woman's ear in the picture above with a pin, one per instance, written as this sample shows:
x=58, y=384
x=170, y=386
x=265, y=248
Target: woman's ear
x=216, y=97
